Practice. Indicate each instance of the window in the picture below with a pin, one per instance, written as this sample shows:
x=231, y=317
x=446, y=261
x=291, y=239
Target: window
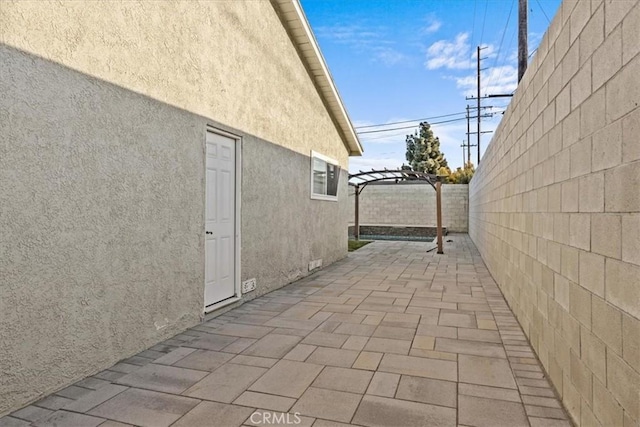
x=325, y=174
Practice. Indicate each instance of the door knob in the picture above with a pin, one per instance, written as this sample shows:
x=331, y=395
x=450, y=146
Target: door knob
x=208, y=232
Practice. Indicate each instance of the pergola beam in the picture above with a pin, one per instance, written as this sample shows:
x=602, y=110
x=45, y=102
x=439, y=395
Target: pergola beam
x=365, y=178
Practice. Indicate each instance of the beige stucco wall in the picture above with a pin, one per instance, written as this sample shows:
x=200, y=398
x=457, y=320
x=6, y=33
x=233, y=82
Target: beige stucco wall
x=555, y=208
x=412, y=204
x=282, y=227
x=226, y=59
x=104, y=112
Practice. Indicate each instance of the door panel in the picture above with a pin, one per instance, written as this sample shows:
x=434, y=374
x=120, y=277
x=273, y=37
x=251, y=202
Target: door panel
x=220, y=227
x=211, y=195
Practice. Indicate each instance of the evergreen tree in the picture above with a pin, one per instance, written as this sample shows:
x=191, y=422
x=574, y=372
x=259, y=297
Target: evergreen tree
x=462, y=175
x=423, y=151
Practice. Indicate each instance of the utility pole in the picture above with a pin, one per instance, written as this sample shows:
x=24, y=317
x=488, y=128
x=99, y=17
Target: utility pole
x=468, y=141
x=464, y=145
x=478, y=106
x=523, y=50
x=469, y=133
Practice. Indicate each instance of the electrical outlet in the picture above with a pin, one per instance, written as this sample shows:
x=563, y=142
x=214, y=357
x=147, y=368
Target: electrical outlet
x=248, y=285
x=317, y=263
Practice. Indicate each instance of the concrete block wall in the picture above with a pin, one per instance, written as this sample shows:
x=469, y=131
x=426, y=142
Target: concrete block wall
x=412, y=204
x=555, y=208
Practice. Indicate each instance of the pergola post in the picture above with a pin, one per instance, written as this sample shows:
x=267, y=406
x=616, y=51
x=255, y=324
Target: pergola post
x=361, y=179
x=356, y=227
x=439, y=215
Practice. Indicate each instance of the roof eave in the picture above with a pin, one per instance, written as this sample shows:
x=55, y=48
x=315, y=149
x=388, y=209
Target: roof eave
x=299, y=30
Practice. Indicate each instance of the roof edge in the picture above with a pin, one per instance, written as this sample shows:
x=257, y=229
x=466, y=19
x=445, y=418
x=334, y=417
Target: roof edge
x=294, y=20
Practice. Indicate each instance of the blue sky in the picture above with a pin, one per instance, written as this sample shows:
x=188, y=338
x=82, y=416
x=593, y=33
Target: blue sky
x=400, y=60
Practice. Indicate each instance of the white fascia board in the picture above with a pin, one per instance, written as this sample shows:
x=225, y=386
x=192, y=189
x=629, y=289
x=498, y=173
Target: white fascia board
x=295, y=21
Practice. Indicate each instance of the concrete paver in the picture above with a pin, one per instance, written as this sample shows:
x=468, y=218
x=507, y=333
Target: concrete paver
x=377, y=411
x=333, y=357
x=481, y=412
x=66, y=418
x=226, y=383
x=224, y=414
x=383, y=384
x=144, y=408
x=168, y=379
x=490, y=371
x=273, y=345
x=392, y=335
x=426, y=390
x=342, y=379
x=328, y=404
x=201, y=360
x=265, y=401
x=288, y=378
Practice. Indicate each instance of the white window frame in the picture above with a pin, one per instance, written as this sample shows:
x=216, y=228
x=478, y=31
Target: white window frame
x=316, y=196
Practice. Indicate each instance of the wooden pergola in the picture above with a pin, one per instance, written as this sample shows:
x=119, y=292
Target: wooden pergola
x=361, y=179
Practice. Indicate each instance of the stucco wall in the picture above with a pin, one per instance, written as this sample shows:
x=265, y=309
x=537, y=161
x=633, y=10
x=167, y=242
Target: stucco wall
x=282, y=227
x=102, y=196
x=101, y=224
x=555, y=208
x=226, y=59
x=412, y=204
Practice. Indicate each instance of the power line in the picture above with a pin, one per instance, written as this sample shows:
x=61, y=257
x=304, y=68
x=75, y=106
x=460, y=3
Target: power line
x=410, y=121
x=506, y=57
x=479, y=111
x=473, y=27
x=501, y=41
x=543, y=12
x=483, y=21
x=395, y=135
x=410, y=127
x=433, y=123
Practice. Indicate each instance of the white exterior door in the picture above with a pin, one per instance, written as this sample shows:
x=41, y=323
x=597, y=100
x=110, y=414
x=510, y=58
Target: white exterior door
x=220, y=219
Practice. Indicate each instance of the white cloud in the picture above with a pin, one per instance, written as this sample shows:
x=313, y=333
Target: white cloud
x=371, y=40
x=501, y=80
x=388, y=56
x=452, y=54
x=433, y=25
x=354, y=35
x=496, y=80
x=456, y=54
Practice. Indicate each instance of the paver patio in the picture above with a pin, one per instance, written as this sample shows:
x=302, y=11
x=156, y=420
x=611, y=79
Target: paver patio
x=391, y=336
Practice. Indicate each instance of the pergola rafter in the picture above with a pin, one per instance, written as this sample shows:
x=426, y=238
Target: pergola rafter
x=361, y=179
